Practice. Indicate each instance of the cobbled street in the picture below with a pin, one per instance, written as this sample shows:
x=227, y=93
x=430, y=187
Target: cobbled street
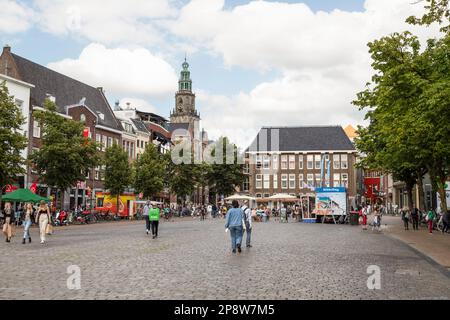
x=192, y=260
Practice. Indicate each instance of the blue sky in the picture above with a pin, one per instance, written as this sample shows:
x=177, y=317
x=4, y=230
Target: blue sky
x=253, y=63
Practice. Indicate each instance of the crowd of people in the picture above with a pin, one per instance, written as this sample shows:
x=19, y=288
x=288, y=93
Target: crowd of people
x=28, y=215
x=431, y=218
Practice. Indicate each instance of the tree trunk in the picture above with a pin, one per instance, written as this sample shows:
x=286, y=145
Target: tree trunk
x=409, y=190
x=421, y=199
x=443, y=196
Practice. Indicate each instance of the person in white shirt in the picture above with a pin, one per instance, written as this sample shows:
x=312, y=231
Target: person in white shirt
x=247, y=222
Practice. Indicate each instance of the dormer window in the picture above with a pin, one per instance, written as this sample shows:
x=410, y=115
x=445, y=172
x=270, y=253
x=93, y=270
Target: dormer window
x=82, y=118
x=101, y=116
x=51, y=97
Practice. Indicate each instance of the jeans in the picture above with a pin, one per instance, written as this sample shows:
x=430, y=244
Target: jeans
x=26, y=229
x=147, y=223
x=249, y=235
x=236, y=236
x=415, y=222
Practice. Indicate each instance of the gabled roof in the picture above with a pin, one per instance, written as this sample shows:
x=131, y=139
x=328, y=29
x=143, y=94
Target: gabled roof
x=312, y=138
x=67, y=91
x=140, y=126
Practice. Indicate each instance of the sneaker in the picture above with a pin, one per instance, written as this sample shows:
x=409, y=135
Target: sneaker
x=234, y=251
x=239, y=249
x=24, y=241
x=42, y=242
x=29, y=240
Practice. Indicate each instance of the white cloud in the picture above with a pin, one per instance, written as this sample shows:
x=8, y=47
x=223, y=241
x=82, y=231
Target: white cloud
x=14, y=17
x=121, y=71
x=136, y=103
x=322, y=57
x=107, y=22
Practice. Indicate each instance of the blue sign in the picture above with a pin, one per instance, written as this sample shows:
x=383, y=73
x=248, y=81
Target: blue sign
x=331, y=190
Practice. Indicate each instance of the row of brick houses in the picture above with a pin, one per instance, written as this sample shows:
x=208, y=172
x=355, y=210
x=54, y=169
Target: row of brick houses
x=79, y=102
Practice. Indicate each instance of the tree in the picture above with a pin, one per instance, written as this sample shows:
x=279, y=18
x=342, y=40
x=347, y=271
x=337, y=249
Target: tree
x=408, y=108
x=65, y=154
x=224, y=175
x=149, y=172
x=12, y=141
x=182, y=179
x=438, y=11
x=118, y=173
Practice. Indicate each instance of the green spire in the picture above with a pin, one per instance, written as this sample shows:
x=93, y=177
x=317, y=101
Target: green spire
x=185, y=83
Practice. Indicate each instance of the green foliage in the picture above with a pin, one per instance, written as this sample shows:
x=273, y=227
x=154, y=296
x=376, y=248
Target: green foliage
x=118, y=173
x=12, y=142
x=65, y=155
x=407, y=104
x=225, y=176
x=181, y=179
x=438, y=11
x=149, y=172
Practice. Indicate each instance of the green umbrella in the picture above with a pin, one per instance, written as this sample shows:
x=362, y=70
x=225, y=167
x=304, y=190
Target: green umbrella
x=23, y=195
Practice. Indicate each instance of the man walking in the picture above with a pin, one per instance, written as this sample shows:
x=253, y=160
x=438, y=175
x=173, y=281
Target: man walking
x=247, y=222
x=145, y=213
x=154, y=216
x=235, y=224
x=415, y=218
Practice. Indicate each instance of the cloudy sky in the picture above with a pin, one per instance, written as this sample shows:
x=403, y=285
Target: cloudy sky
x=253, y=63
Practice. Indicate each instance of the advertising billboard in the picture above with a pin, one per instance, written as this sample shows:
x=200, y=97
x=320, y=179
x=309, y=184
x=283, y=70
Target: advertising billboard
x=331, y=201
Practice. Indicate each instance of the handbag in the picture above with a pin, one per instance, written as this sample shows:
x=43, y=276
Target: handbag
x=49, y=229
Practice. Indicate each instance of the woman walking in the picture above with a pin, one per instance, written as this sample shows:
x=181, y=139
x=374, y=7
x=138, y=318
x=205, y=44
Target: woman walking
x=8, y=220
x=43, y=218
x=27, y=222
x=405, y=218
x=235, y=224
x=430, y=219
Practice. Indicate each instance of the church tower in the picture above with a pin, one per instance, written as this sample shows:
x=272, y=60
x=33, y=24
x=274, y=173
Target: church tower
x=185, y=111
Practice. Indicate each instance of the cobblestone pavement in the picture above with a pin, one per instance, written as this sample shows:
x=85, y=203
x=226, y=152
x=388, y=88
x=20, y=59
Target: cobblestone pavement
x=192, y=260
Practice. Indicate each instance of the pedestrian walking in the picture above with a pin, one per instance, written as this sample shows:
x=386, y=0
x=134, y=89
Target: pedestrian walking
x=247, y=214
x=405, y=218
x=154, y=216
x=235, y=224
x=364, y=214
x=415, y=219
x=28, y=216
x=446, y=222
x=43, y=218
x=376, y=220
x=430, y=219
x=8, y=221
x=283, y=213
x=145, y=212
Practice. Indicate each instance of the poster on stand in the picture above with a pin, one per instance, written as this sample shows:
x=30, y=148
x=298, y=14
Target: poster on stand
x=331, y=202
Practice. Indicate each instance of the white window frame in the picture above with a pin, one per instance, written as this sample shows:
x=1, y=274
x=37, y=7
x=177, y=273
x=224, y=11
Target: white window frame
x=259, y=181
x=266, y=181
x=336, y=180
x=36, y=129
x=310, y=179
x=300, y=162
x=317, y=179
x=301, y=181
x=344, y=162
x=292, y=162
x=275, y=181
x=275, y=163
x=284, y=181
x=337, y=162
x=284, y=162
x=266, y=162
x=317, y=161
x=258, y=162
x=310, y=162
x=344, y=179
x=292, y=181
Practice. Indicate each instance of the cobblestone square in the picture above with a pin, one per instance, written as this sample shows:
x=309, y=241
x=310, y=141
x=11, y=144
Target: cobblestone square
x=192, y=260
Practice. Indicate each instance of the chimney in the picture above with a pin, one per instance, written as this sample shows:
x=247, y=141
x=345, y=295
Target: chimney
x=128, y=105
x=7, y=48
x=100, y=89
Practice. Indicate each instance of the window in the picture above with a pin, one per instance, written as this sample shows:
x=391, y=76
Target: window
x=284, y=162
x=246, y=186
x=116, y=141
x=267, y=181
x=266, y=195
x=301, y=181
x=139, y=143
x=82, y=118
x=317, y=161
x=259, y=181
x=344, y=161
x=266, y=162
x=300, y=162
x=318, y=180
x=275, y=181
x=336, y=162
x=110, y=142
x=98, y=140
x=284, y=181
x=36, y=129
x=97, y=175
x=259, y=195
x=292, y=181
x=291, y=162
x=336, y=180
x=246, y=168
x=275, y=162
x=345, y=180
x=310, y=180
x=104, y=142
x=258, y=162
x=132, y=150
x=310, y=163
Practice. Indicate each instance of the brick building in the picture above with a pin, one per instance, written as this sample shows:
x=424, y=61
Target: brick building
x=76, y=101
x=296, y=160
